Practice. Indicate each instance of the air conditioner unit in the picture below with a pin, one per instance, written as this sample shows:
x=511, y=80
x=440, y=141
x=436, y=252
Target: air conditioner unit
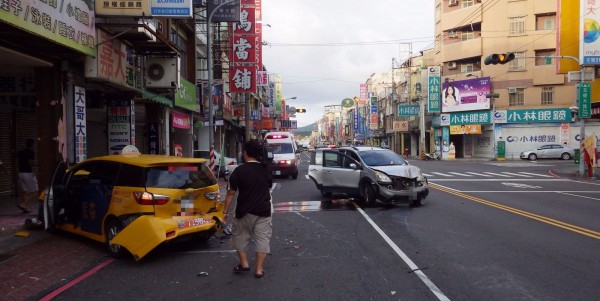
x=452, y=34
x=162, y=72
x=150, y=23
x=512, y=90
x=453, y=3
x=452, y=65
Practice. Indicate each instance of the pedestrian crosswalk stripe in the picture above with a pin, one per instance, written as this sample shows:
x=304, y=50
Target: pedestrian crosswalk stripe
x=441, y=174
x=478, y=174
x=537, y=174
x=516, y=174
x=460, y=174
x=497, y=174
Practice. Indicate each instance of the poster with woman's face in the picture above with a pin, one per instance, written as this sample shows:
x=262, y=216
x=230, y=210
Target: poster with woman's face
x=466, y=95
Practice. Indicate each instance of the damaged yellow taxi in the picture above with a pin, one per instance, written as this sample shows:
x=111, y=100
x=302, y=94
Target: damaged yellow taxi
x=134, y=202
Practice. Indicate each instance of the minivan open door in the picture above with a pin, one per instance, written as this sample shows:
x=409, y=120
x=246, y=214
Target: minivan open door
x=54, y=195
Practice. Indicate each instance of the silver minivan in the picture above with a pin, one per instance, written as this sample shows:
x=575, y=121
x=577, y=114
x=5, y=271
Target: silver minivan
x=368, y=173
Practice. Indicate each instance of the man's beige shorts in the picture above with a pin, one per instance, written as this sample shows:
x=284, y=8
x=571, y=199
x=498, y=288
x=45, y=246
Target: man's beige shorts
x=252, y=226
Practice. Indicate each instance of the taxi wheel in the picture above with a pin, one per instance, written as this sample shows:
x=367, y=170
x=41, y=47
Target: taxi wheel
x=113, y=227
x=417, y=202
x=368, y=195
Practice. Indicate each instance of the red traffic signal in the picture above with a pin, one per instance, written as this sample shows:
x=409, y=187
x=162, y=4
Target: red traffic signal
x=499, y=58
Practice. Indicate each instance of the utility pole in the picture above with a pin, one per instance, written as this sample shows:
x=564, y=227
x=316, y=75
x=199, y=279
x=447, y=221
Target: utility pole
x=211, y=123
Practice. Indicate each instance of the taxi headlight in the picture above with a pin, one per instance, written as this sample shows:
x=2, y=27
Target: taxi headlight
x=213, y=195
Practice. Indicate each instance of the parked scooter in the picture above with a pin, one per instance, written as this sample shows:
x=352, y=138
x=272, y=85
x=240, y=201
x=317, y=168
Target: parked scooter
x=432, y=156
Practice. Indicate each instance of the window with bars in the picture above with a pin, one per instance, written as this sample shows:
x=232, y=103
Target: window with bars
x=516, y=26
x=517, y=98
x=467, y=36
x=547, y=95
x=518, y=64
x=467, y=68
x=544, y=57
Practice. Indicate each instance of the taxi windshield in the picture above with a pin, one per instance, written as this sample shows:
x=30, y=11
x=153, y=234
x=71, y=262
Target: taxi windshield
x=180, y=176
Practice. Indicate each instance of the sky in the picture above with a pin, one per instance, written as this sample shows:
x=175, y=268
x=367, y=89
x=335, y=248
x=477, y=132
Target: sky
x=324, y=49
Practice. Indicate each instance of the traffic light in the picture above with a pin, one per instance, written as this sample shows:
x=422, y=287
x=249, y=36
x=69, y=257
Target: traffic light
x=499, y=58
x=300, y=110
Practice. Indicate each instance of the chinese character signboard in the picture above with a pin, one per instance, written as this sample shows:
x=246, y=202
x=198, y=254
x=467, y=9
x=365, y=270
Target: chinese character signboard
x=181, y=121
x=585, y=104
x=116, y=63
x=228, y=12
x=119, y=125
x=171, y=8
x=373, y=124
x=243, y=76
x=434, y=88
x=80, y=125
x=123, y=7
x=466, y=95
x=243, y=79
x=49, y=19
x=538, y=115
x=408, y=110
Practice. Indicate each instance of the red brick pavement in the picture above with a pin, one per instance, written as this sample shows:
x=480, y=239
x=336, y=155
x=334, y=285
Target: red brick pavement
x=35, y=269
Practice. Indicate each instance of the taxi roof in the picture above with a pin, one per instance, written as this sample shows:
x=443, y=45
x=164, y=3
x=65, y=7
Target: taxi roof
x=145, y=160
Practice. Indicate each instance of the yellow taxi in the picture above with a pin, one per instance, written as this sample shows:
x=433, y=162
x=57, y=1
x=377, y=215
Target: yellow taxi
x=134, y=202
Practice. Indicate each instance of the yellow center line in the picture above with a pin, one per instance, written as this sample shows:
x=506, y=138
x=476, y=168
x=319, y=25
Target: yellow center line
x=547, y=220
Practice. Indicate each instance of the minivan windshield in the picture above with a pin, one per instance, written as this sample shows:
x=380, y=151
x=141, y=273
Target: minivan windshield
x=381, y=158
x=180, y=176
x=281, y=148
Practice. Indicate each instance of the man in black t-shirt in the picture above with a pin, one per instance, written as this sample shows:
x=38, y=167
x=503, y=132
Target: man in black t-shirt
x=252, y=180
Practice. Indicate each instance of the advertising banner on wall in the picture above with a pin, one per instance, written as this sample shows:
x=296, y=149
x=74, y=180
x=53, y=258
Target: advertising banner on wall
x=589, y=33
x=48, y=20
x=466, y=95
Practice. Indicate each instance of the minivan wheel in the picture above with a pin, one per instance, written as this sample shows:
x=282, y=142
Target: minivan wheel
x=295, y=176
x=113, y=227
x=565, y=156
x=326, y=194
x=368, y=195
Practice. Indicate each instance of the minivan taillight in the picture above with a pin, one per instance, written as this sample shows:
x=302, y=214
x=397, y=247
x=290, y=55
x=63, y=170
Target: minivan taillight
x=147, y=198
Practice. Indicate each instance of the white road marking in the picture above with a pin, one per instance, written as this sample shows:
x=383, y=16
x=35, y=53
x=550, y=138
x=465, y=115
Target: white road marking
x=460, y=174
x=516, y=174
x=497, y=174
x=478, y=174
x=521, y=185
x=441, y=174
x=537, y=174
x=432, y=287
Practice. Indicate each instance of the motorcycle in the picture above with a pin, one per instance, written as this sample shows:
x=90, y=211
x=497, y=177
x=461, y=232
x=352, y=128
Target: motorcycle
x=432, y=156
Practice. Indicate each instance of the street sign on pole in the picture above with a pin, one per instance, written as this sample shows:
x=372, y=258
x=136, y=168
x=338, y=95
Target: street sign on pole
x=585, y=103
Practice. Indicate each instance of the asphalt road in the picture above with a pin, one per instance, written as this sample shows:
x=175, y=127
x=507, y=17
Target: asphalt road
x=518, y=234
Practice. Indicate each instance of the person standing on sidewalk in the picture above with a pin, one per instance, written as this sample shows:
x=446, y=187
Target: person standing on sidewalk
x=252, y=180
x=27, y=180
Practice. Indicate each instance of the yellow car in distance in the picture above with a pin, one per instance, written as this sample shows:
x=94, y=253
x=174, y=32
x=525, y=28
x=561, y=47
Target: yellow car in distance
x=135, y=202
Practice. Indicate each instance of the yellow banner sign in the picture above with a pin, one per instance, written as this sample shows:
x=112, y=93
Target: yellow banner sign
x=467, y=129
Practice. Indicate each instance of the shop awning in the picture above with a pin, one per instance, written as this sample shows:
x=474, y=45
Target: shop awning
x=157, y=98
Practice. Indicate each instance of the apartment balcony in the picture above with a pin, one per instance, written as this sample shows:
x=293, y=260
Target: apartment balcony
x=451, y=20
x=461, y=50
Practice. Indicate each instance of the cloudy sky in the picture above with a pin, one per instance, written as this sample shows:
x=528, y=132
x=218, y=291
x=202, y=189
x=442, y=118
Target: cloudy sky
x=324, y=49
